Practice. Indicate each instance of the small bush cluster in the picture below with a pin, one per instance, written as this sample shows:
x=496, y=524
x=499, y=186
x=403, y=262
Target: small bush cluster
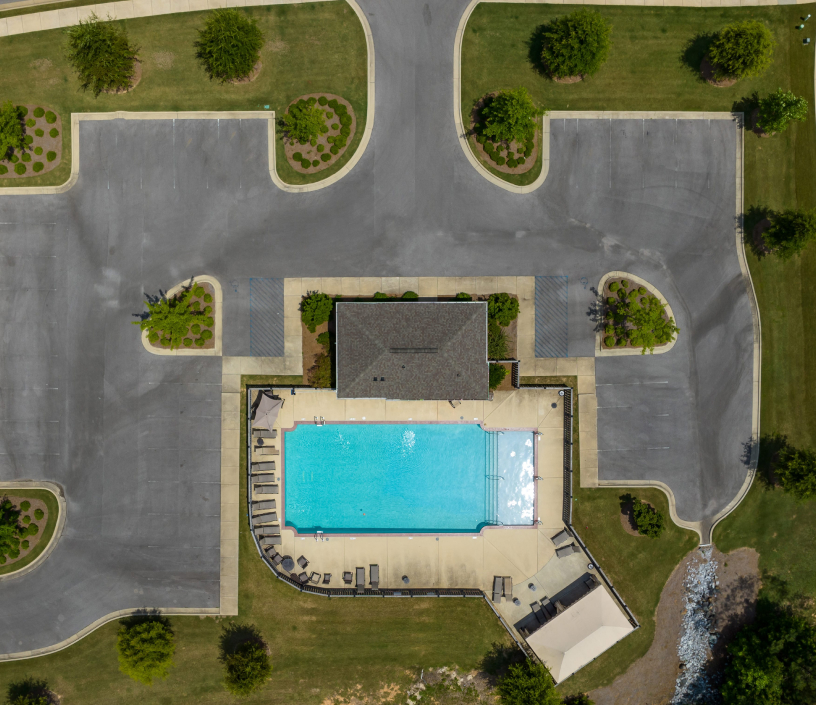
x=316, y=308
x=305, y=122
x=637, y=318
x=169, y=322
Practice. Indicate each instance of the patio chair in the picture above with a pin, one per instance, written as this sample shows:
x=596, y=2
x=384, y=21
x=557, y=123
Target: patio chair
x=565, y=551
x=538, y=612
x=266, y=450
x=264, y=518
x=454, y=403
x=303, y=577
x=264, y=476
x=548, y=608
x=264, y=466
x=348, y=577
x=360, y=580
x=277, y=559
x=507, y=585
x=560, y=537
x=271, y=540
x=263, y=504
x=559, y=608
x=591, y=582
x=314, y=578
x=497, y=589
x=374, y=573
x=264, y=489
x=302, y=562
x=264, y=433
x=326, y=578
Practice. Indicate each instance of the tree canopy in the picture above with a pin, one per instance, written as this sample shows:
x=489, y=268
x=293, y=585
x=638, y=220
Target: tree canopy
x=649, y=327
x=576, y=44
x=230, y=44
x=528, y=683
x=9, y=530
x=316, y=308
x=796, y=470
x=650, y=522
x=496, y=375
x=145, y=649
x=791, y=232
x=246, y=669
x=779, y=108
x=171, y=319
x=12, y=136
x=510, y=116
x=303, y=121
x=502, y=308
x=101, y=55
x=742, y=49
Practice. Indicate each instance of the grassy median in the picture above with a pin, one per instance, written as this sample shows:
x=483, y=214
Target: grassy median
x=314, y=47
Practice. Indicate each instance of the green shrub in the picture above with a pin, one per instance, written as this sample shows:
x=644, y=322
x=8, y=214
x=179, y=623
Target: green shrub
x=512, y=163
x=199, y=342
x=614, y=286
x=648, y=325
x=649, y=521
x=53, y=132
x=26, y=157
x=510, y=116
x=29, y=139
x=632, y=295
x=311, y=101
x=51, y=156
x=14, y=553
x=101, y=55
x=26, y=519
x=320, y=148
x=315, y=308
x=345, y=120
x=166, y=342
x=145, y=648
x=496, y=341
x=229, y=45
x=206, y=334
x=3, y=169
x=198, y=291
x=333, y=149
x=11, y=130
x=24, y=545
x=500, y=161
x=325, y=157
x=379, y=296
x=324, y=339
x=609, y=341
x=306, y=163
x=609, y=330
x=329, y=114
x=208, y=298
x=340, y=109
x=195, y=306
x=335, y=126
x=778, y=109
x=641, y=290
x=297, y=156
x=625, y=283
x=207, y=321
x=32, y=529
x=22, y=111
x=38, y=151
x=528, y=683
x=303, y=123
x=25, y=505
x=246, y=669
x=345, y=131
x=14, y=159
x=20, y=169
x=320, y=374
x=333, y=104
x=462, y=296
x=576, y=44
x=173, y=317
x=496, y=375
x=742, y=49
x=207, y=310
x=30, y=122
x=620, y=342
x=410, y=296
x=521, y=161
x=39, y=112
x=153, y=337
x=195, y=329
x=187, y=342
x=315, y=162
x=503, y=308
x=489, y=148
x=796, y=470
x=322, y=100
x=38, y=167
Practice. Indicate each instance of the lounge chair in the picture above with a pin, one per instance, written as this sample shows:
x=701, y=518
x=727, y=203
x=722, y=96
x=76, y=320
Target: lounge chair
x=303, y=577
x=497, y=589
x=264, y=518
x=263, y=504
x=507, y=586
x=263, y=477
x=454, y=403
x=266, y=531
x=264, y=433
x=565, y=551
x=538, y=612
x=271, y=540
x=265, y=466
x=360, y=580
x=374, y=573
x=266, y=450
x=326, y=578
x=549, y=610
x=560, y=537
x=348, y=577
x=302, y=562
x=314, y=578
x=264, y=489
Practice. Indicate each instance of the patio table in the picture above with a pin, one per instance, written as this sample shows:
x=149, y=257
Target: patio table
x=288, y=564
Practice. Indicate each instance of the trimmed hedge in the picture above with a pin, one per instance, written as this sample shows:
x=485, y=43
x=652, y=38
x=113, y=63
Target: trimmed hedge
x=38, y=167
x=30, y=122
x=51, y=156
x=26, y=157
x=614, y=286
x=208, y=298
x=38, y=151
x=187, y=342
x=38, y=112
x=50, y=118
x=609, y=341
x=20, y=169
x=199, y=342
x=206, y=334
x=53, y=132
x=325, y=157
x=322, y=100
x=315, y=162
x=298, y=156
x=38, y=514
x=25, y=505
x=195, y=328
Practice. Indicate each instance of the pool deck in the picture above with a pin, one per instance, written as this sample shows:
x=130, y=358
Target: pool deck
x=445, y=561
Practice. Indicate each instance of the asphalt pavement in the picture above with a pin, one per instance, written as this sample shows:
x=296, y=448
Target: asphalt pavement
x=135, y=438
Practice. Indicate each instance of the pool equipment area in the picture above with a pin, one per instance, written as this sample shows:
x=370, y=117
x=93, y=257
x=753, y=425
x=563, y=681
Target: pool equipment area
x=407, y=478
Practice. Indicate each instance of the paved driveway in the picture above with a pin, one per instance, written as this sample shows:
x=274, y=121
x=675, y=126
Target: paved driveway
x=134, y=438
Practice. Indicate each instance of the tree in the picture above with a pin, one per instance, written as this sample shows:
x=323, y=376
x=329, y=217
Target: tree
x=577, y=44
x=247, y=668
x=772, y=660
x=316, y=308
x=496, y=341
x=579, y=699
x=9, y=530
x=790, y=232
x=649, y=521
x=778, y=109
x=650, y=328
x=170, y=320
x=742, y=49
x=462, y=296
x=101, y=55
x=320, y=374
x=303, y=121
x=11, y=130
x=510, y=116
x=528, y=683
x=29, y=691
x=146, y=648
x=496, y=375
x=230, y=44
x=796, y=471
x=502, y=308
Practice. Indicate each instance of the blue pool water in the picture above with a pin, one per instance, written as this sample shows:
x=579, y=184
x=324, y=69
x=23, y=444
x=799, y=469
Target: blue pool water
x=400, y=478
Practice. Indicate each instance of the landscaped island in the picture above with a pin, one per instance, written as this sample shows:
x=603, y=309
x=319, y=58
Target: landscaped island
x=32, y=137
x=27, y=521
x=317, y=131
x=183, y=319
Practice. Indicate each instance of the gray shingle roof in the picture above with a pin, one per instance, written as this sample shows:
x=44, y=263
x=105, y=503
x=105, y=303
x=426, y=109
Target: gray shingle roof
x=415, y=350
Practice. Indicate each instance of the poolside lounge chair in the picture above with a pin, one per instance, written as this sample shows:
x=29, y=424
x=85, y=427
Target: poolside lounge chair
x=454, y=403
x=266, y=531
x=314, y=578
x=264, y=518
x=326, y=578
x=549, y=610
x=303, y=577
x=348, y=577
x=264, y=433
x=271, y=540
x=264, y=489
x=497, y=588
x=507, y=583
x=263, y=504
x=266, y=450
x=374, y=573
x=560, y=537
x=566, y=550
x=302, y=562
x=263, y=466
x=360, y=580
x=263, y=476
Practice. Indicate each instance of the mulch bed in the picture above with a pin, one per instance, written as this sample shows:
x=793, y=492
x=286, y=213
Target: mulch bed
x=607, y=292
x=311, y=152
x=529, y=162
x=707, y=72
x=208, y=344
x=32, y=540
x=46, y=142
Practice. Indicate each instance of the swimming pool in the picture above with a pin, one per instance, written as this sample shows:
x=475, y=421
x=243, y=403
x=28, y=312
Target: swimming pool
x=406, y=478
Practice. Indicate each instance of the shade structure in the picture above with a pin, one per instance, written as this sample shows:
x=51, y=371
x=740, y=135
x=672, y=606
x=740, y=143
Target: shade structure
x=580, y=633
x=266, y=412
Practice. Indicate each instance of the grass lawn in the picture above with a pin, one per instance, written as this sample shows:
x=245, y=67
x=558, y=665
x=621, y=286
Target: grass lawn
x=53, y=513
x=315, y=47
x=319, y=647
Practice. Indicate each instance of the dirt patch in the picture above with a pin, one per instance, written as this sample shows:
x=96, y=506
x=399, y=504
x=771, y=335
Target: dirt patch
x=322, y=146
x=606, y=294
x=627, y=519
x=202, y=306
x=134, y=80
x=250, y=77
x=42, y=65
x=568, y=79
x=311, y=348
x=163, y=60
x=707, y=72
x=45, y=143
x=507, y=148
x=36, y=504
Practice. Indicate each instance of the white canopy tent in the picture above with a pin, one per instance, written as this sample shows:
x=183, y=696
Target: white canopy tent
x=582, y=632
x=266, y=411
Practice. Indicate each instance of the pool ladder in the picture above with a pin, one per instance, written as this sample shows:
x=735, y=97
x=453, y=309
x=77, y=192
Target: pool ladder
x=319, y=421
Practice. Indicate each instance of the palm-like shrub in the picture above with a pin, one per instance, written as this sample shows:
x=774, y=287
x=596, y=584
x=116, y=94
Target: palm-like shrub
x=145, y=649
x=101, y=55
x=230, y=44
x=742, y=49
x=11, y=130
x=172, y=318
x=790, y=232
x=778, y=109
x=577, y=44
x=246, y=669
x=303, y=121
x=510, y=116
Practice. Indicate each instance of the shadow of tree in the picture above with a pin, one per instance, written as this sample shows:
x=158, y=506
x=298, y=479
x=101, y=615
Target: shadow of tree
x=752, y=217
x=234, y=634
x=746, y=105
x=770, y=444
x=500, y=657
x=535, y=46
x=30, y=687
x=694, y=51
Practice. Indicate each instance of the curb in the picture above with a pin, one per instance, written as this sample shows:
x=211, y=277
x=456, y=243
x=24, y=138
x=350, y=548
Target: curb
x=57, y=491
